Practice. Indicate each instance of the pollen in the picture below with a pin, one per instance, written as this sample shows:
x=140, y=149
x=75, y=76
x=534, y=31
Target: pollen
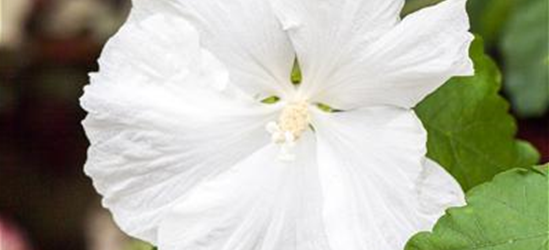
x=295, y=118
x=292, y=123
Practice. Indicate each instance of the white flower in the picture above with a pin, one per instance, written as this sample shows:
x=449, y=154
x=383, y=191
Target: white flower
x=188, y=157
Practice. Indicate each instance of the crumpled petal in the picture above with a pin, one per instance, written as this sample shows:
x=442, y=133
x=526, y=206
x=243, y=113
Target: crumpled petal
x=244, y=35
x=341, y=194
x=328, y=34
x=161, y=123
x=376, y=191
x=411, y=61
x=260, y=204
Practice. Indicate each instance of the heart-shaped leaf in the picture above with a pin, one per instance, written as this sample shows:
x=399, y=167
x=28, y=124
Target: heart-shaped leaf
x=471, y=132
x=509, y=213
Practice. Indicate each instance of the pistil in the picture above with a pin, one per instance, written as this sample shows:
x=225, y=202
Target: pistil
x=292, y=123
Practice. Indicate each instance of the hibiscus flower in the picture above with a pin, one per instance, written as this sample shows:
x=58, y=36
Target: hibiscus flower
x=201, y=141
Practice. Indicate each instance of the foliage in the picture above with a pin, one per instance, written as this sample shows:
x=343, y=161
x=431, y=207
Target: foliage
x=509, y=213
x=526, y=58
x=489, y=17
x=515, y=31
x=470, y=130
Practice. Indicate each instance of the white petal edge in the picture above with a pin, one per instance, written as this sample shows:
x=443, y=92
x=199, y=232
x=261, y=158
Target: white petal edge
x=327, y=34
x=243, y=34
x=369, y=163
x=408, y=63
x=260, y=204
x=437, y=191
x=162, y=118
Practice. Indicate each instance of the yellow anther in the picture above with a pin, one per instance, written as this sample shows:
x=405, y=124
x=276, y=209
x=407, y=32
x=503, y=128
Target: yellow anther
x=295, y=118
x=291, y=124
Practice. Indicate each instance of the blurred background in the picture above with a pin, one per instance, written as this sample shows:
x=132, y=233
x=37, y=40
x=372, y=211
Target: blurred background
x=47, y=47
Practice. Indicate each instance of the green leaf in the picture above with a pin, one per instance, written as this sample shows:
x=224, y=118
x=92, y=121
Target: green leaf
x=526, y=48
x=520, y=29
x=471, y=133
x=509, y=213
x=488, y=17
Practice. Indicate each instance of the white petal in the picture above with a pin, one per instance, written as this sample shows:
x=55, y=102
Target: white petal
x=327, y=34
x=157, y=48
x=162, y=120
x=425, y=50
x=244, y=35
x=438, y=191
x=261, y=204
x=369, y=164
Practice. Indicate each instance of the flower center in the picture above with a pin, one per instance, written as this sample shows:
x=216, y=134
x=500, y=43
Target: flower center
x=292, y=123
x=295, y=118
